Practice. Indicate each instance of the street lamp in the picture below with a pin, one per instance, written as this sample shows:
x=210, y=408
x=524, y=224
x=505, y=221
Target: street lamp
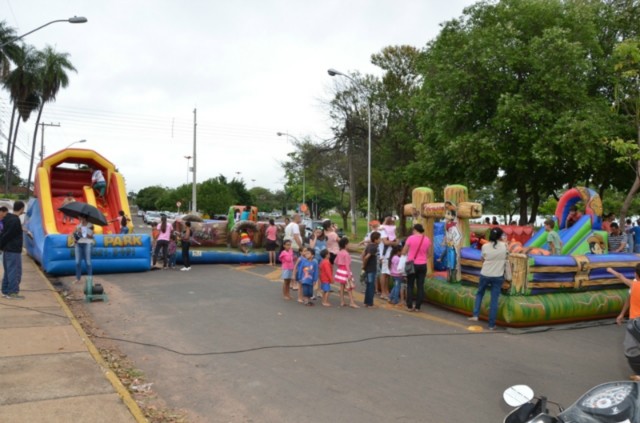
x=73, y=20
x=333, y=72
x=76, y=142
x=304, y=167
x=188, y=168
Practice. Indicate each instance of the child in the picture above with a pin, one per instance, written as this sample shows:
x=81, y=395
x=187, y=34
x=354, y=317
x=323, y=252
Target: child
x=389, y=227
x=555, y=244
x=326, y=277
x=343, y=274
x=155, y=232
x=308, y=275
x=68, y=199
x=173, y=246
x=245, y=241
x=296, y=273
x=397, y=274
x=286, y=258
x=370, y=265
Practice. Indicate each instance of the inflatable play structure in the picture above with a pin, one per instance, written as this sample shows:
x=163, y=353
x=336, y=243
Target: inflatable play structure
x=546, y=288
x=66, y=173
x=218, y=241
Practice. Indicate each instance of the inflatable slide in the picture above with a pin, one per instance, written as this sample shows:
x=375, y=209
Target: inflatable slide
x=65, y=175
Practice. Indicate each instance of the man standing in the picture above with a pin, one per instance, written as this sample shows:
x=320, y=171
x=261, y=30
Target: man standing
x=617, y=240
x=11, y=246
x=292, y=233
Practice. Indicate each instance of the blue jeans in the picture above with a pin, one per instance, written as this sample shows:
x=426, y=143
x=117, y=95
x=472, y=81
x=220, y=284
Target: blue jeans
x=394, y=296
x=83, y=251
x=370, y=289
x=124, y=230
x=12, y=263
x=496, y=284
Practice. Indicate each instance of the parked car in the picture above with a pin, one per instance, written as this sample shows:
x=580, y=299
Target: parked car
x=151, y=216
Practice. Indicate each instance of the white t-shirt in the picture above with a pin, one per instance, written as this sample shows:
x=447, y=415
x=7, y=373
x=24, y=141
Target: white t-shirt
x=97, y=176
x=289, y=234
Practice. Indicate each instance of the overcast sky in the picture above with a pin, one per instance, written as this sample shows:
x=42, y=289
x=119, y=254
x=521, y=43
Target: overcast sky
x=250, y=68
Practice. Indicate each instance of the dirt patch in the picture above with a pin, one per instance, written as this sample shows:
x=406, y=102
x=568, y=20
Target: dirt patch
x=141, y=389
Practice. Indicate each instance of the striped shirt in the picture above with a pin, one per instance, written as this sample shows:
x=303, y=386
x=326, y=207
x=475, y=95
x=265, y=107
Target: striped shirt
x=615, y=241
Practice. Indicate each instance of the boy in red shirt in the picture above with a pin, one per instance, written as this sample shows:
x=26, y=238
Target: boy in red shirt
x=326, y=277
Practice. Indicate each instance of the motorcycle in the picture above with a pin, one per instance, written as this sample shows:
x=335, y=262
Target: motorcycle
x=611, y=402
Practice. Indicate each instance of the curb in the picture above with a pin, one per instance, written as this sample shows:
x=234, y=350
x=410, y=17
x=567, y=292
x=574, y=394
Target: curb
x=122, y=391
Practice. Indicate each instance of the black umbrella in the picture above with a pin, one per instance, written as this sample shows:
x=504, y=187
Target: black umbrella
x=78, y=208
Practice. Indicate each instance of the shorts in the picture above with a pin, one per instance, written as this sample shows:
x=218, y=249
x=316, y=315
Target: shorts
x=307, y=290
x=270, y=245
x=325, y=286
x=287, y=273
x=384, y=267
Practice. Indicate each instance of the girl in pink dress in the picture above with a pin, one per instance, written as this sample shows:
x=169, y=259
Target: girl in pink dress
x=343, y=274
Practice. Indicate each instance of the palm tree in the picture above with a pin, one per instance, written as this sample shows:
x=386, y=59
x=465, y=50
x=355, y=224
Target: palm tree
x=52, y=75
x=8, y=52
x=22, y=84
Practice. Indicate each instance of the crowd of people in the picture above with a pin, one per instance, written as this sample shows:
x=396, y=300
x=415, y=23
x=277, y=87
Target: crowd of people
x=312, y=269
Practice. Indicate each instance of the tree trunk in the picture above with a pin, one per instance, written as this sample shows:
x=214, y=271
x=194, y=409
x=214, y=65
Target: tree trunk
x=33, y=147
x=535, y=205
x=403, y=218
x=13, y=150
x=634, y=188
x=352, y=191
x=522, y=196
x=7, y=169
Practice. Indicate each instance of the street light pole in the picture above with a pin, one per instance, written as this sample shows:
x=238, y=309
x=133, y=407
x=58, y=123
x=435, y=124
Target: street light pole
x=188, y=158
x=333, y=72
x=304, y=167
x=74, y=20
x=75, y=142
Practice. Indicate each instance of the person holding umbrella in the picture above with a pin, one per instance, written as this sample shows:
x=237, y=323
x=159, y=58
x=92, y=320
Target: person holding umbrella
x=83, y=236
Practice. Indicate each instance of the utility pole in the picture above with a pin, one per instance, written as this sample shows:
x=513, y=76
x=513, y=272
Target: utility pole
x=42, y=137
x=33, y=150
x=193, y=189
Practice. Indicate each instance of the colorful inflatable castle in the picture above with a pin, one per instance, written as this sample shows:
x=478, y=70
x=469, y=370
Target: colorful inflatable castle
x=66, y=174
x=219, y=241
x=545, y=289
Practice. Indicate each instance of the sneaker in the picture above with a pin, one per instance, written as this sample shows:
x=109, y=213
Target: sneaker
x=473, y=318
x=15, y=296
x=184, y=269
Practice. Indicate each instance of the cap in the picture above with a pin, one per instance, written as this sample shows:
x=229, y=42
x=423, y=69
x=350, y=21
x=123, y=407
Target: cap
x=374, y=223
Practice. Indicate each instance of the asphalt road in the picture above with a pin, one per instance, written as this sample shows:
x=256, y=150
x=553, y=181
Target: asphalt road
x=240, y=353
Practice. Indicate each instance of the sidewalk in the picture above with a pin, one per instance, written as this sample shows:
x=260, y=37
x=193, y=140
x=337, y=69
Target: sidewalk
x=49, y=370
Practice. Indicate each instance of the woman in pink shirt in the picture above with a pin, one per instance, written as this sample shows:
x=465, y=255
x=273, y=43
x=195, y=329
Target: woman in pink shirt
x=271, y=234
x=165, y=230
x=416, y=248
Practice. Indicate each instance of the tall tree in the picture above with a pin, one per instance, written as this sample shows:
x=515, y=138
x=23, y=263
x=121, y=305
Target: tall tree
x=508, y=95
x=52, y=72
x=22, y=83
x=396, y=123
